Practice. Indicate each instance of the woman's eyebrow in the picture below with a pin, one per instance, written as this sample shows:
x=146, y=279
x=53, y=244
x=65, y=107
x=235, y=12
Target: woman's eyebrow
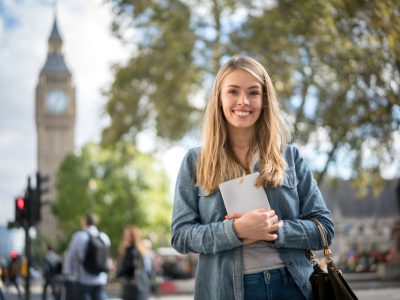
x=250, y=87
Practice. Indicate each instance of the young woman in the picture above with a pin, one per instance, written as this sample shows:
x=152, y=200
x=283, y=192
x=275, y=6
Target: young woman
x=131, y=265
x=260, y=254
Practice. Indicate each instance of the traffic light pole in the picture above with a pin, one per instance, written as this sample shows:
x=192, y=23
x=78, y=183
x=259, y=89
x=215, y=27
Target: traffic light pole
x=27, y=214
x=28, y=261
x=28, y=252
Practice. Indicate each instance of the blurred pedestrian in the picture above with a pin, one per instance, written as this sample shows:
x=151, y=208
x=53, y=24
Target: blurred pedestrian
x=52, y=266
x=150, y=264
x=247, y=255
x=133, y=266
x=91, y=285
x=13, y=272
x=1, y=283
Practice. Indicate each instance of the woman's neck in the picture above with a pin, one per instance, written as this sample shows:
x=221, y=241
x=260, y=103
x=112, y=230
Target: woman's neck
x=241, y=137
x=241, y=142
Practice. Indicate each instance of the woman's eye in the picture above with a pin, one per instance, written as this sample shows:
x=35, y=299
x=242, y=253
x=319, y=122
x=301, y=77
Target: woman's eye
x=233, y=92
x=254, y=93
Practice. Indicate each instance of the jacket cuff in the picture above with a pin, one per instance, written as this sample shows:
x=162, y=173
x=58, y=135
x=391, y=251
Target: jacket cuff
x=280, y=241
x=231, y=234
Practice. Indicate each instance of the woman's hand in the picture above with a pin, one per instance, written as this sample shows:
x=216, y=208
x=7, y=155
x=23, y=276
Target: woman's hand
x=257, y=224
x=248, y=241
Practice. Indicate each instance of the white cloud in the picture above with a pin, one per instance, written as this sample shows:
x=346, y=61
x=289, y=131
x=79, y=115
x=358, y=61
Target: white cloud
x=89, y=50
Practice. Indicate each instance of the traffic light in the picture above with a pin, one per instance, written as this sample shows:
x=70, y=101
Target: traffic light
x=37, y=197
x=22, y=210
x=40, y=188
x=28, y=208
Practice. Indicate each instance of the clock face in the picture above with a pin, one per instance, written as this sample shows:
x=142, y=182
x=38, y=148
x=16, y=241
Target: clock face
x=57, y=102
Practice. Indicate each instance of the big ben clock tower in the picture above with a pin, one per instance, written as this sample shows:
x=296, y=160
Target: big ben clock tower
x=55, y=122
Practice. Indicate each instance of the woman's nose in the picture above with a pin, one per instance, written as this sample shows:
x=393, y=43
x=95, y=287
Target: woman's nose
x=243, y=99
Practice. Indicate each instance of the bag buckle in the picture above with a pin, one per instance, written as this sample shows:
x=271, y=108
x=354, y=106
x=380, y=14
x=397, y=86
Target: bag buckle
x=327, y=252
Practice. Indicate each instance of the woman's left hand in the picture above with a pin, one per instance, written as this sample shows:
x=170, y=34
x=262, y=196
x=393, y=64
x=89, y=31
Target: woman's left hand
x=251, y=228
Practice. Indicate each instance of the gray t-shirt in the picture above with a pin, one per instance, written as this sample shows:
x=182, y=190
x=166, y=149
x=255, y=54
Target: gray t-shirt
x=260, y=256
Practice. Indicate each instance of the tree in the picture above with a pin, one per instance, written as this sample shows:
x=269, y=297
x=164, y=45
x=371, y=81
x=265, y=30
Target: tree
x=335, y=65
x=344, y=79
x=156, y=82
x=120, y=185
x=179, y=44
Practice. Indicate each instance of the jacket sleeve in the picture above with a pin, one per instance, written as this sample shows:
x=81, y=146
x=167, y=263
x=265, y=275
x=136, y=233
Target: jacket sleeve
x=303, y=233
x=188, y=234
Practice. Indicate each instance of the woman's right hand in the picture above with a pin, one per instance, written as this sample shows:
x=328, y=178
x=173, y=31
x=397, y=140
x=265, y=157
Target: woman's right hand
x=257, y=224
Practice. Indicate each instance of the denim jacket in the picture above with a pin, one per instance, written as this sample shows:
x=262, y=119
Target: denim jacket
x=197, y=226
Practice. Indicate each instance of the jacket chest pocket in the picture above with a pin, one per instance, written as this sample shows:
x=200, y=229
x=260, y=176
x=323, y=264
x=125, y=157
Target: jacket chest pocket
x=211, y=206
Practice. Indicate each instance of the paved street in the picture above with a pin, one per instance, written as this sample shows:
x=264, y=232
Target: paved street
x=370, y=294
x=364, y=288
x=373, y=294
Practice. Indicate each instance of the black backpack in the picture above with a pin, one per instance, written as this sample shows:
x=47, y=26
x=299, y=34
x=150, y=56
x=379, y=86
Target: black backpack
x=52, y=268
x=96, y=255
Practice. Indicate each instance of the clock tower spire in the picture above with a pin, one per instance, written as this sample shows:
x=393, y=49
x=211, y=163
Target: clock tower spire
x=55, y=40
x=55, y=122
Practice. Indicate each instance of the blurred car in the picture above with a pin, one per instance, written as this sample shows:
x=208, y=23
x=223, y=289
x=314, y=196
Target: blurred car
x=175, y=271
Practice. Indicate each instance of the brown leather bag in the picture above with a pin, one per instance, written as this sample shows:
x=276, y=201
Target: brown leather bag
x=328, y=285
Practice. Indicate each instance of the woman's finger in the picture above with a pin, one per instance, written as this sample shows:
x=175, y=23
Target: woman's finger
x=274, y=219
x=234, y=215
x=276, y=226
x=270, y=213
x=271, y=236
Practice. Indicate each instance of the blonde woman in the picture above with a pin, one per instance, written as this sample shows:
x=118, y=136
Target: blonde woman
x=130, y=267
x=259, y=254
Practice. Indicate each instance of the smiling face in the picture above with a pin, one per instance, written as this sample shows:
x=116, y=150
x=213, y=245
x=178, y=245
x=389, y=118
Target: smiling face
x=241, y=100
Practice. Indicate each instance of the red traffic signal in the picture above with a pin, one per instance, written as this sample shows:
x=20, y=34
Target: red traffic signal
x=13, y=254
x=20, y=203
x=22, y=210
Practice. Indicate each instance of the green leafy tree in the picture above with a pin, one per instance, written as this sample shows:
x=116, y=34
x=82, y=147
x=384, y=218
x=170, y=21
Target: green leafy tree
x=121, y=185
x=178, y=45
x=334, y=63
x=345, y=80
x=156, y=82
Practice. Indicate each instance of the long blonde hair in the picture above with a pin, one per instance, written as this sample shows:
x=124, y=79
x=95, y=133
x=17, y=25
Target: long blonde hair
x=216, y=162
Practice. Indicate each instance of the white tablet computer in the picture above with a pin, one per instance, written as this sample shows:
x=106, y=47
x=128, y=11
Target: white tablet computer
x=241, y=194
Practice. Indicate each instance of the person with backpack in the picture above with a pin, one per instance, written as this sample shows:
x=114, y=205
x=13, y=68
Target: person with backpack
x=86, y=262
x=132, y=269
x=52, y=265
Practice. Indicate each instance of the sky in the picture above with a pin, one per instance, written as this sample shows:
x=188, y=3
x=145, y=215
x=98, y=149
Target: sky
x=89, y=50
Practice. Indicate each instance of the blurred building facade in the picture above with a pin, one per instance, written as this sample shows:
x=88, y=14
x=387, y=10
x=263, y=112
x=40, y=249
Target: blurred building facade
x=55, y=122
x=363, y=226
